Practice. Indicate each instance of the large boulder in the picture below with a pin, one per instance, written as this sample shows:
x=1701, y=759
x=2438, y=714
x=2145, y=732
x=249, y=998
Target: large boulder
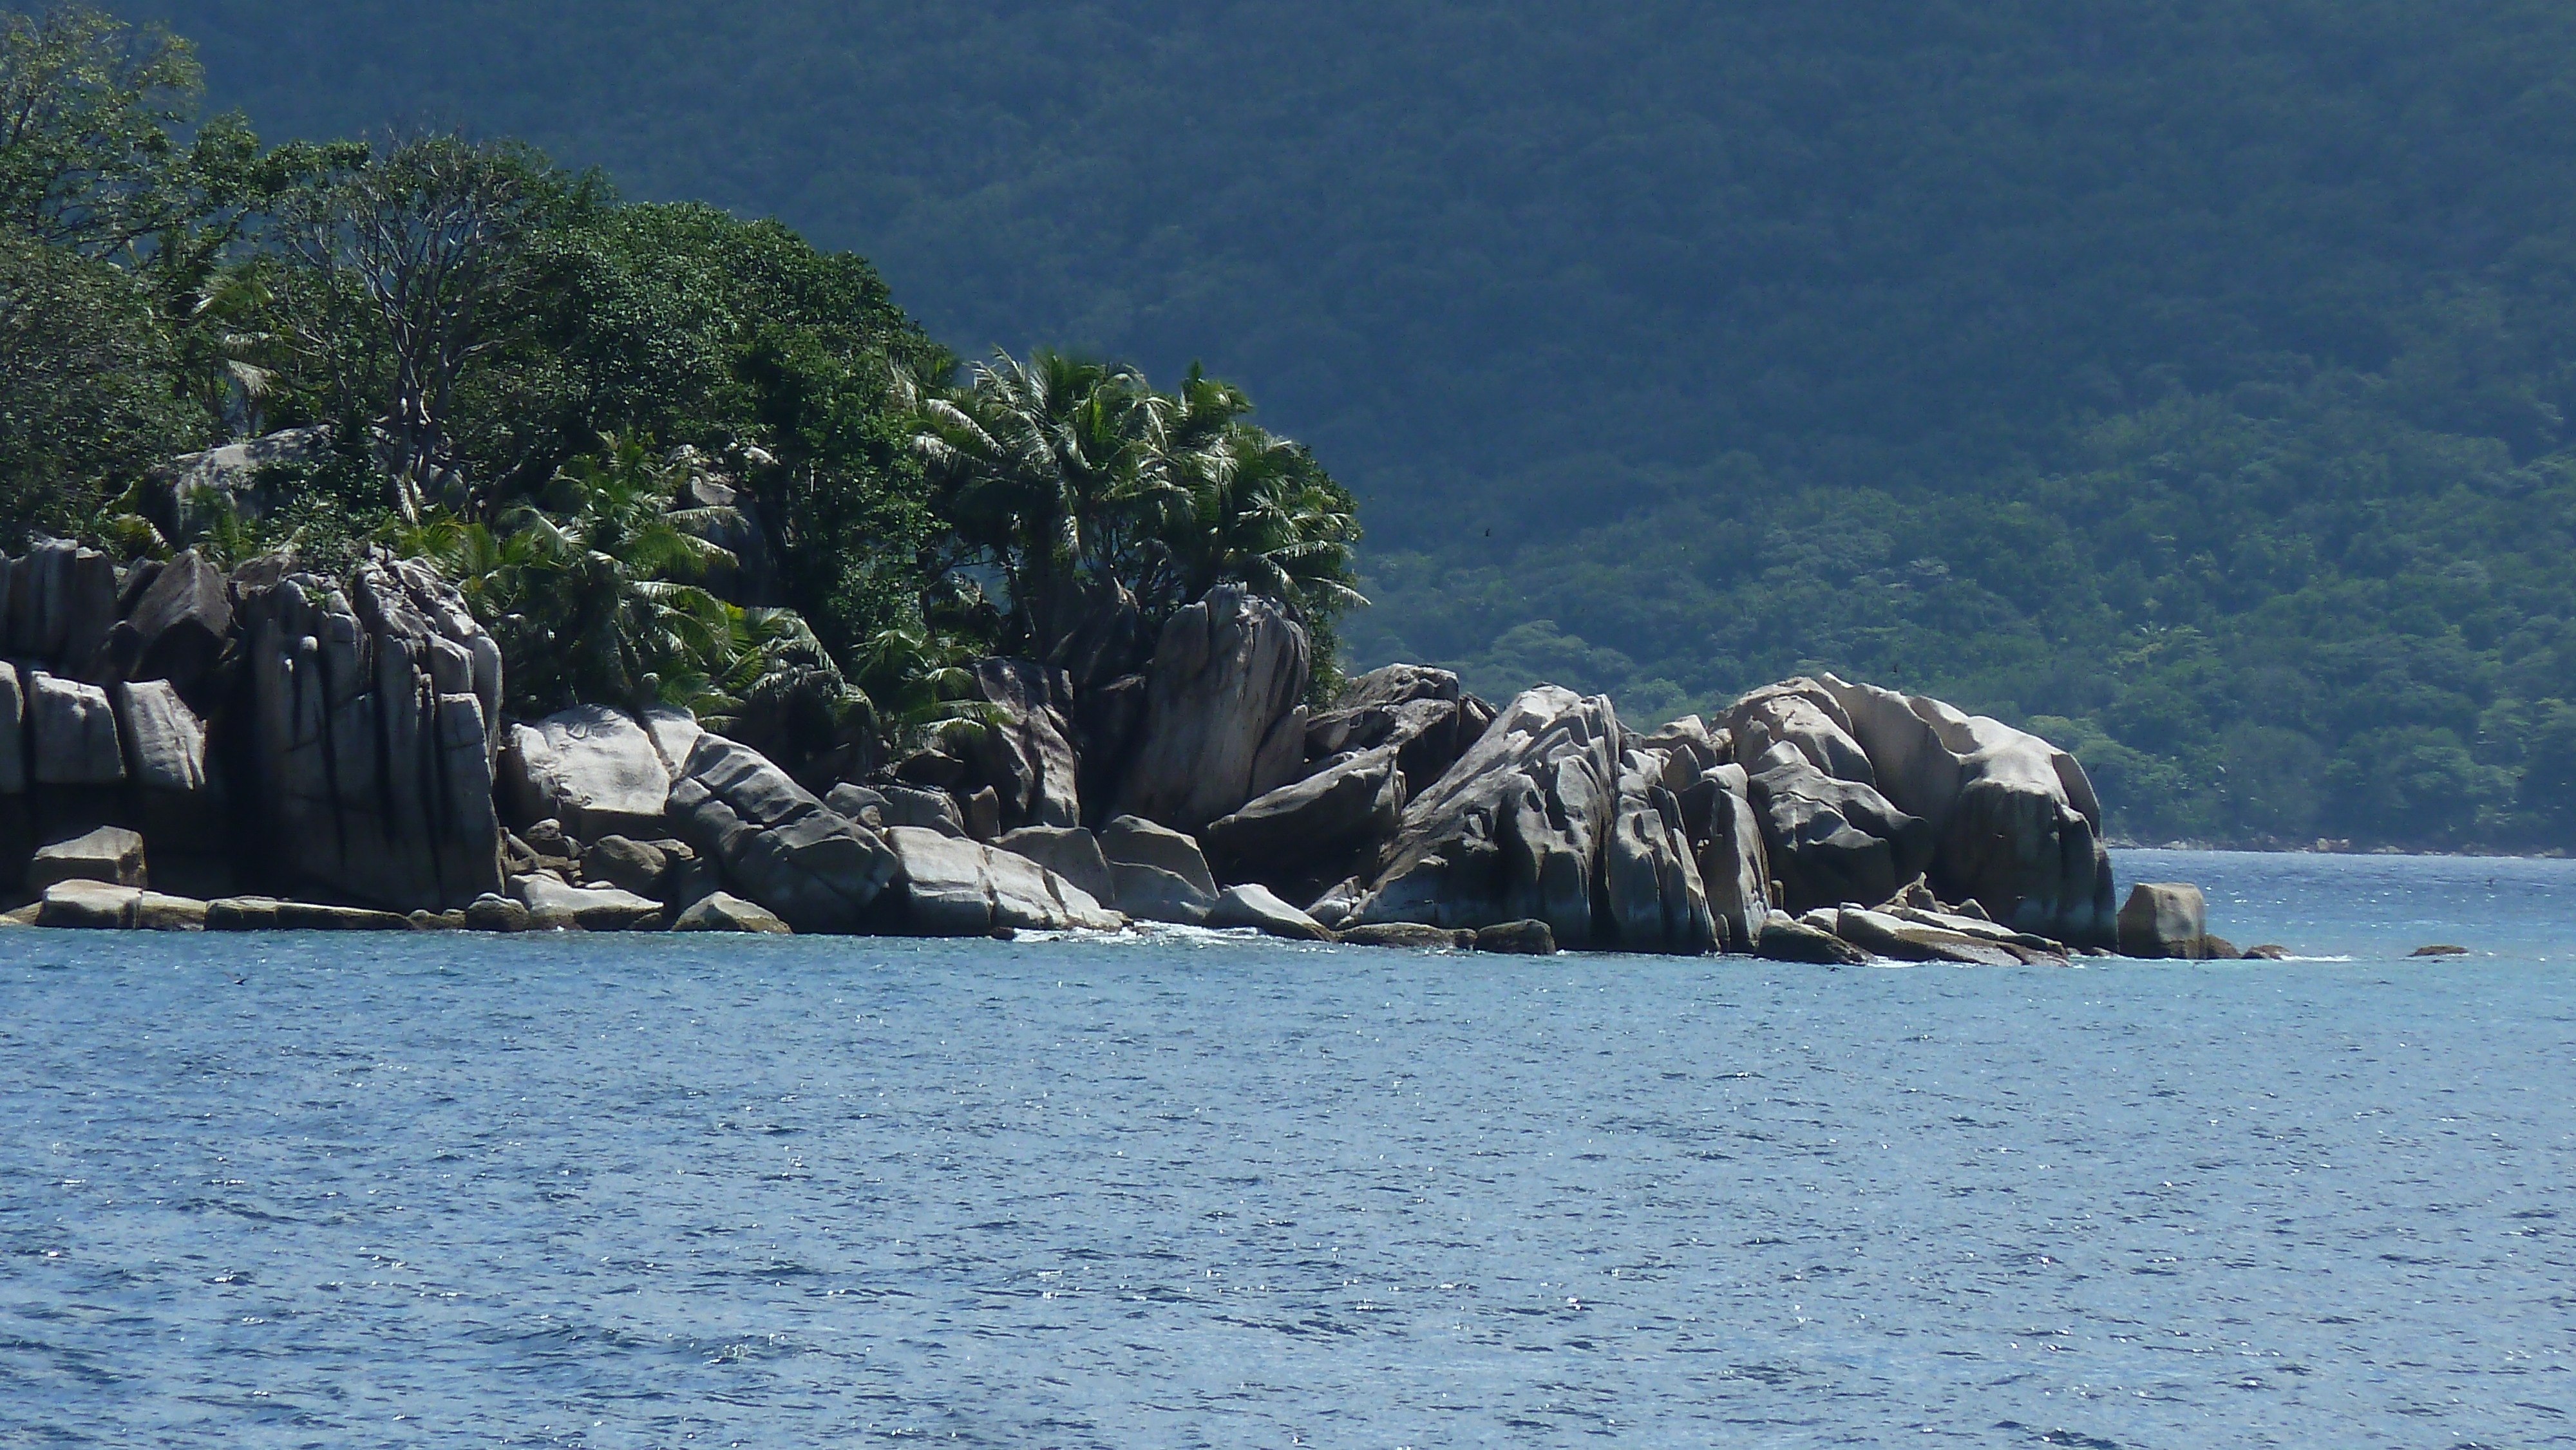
x=176, y=629
x=1223, y=720
x=592, y=908
x=174, y=795
x=1160, y=874
x=2167, y=919
x=953, y=887
x=1070, y=852
x=1515, y=830
x=72, y=728
x=1650, y=875
x=594, y=768
x=1302, y=837
x=2018, y=828
x=111, y=854
x=778, y=845
x=1831, y=840
x=1804, y=715
x=1257, y=908
x=1733, y=863
x=1420, y=714
x=62, y=602
x=1024, y=754
x=184, y=496
x=371, y=728
x=724, y=911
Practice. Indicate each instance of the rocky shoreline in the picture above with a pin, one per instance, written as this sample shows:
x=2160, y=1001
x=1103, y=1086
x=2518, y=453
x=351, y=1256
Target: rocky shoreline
x=183, y=748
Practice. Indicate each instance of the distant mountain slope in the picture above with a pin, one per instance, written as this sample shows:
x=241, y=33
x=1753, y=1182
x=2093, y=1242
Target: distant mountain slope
x=2199, y=373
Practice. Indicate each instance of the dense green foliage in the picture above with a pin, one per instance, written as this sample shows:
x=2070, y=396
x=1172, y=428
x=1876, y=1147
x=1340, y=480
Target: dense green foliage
x=666, y=453
x=2197, y=372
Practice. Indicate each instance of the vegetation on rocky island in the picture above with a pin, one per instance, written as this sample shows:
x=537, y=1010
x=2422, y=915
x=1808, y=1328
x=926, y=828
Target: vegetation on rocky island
x=666, y=455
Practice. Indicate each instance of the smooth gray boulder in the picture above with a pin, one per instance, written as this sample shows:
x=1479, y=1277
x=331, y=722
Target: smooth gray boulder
x=1257, y=908
x=1734, y=865
x=1831, y=840
x=1223, y=720
x=2017, y=825
x=1517, y=939
x=1787, y=939
x=88, y=905
x=922, y=808
x=110, y=854
x=627, y=864
x=778, y=845
x=949, y=886
x=1898, y=939
x=184, y=496
x=859, y=803
x=370, y=735
x=594, y=768
x=2168, y=919
x=1070, y=852
x=1804, y=715
x=723, y=911
x=1408, y=934
x=1135, y=841
x=593, y=908
x=1420, y=714
x=62, y=603
x=1515, y=830
x=494, y=912
x=73, y=729
x=165, y=743
x=176, y=629
x=1025, y=755
x=1689, y=740
x=1318, y=830
x=268, y=913
x=1650, y=875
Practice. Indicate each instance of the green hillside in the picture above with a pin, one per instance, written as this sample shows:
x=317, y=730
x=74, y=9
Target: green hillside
x=2198, y=373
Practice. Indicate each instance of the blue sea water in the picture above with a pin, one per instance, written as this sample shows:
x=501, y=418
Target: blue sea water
x=612, y=1192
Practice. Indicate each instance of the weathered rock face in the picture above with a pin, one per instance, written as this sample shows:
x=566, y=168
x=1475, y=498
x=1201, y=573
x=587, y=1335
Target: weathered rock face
x=15, y=774
x=1160, y=874
x=953, y=887
x=1257, y=908
x=1420, y=714
x=176, y=628
x=1070, y=852
x=1026, y=756
x=1516, y=828
x=594, y=768
x=1650, y=875
x=603, y=908
x=777, y=844
x=1829, y=841
x=2018, y=827
x=370, y=747
x=1223, y=725
x=110, y=854
x=1301, y=837
x=2165, y=919
x=62, y=602
x=1804, y=715
x=1733, y=864
x=174, y=796
x=72, y=728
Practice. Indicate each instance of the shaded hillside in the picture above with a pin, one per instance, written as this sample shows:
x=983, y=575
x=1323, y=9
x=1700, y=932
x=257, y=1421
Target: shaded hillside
x=2197, y=373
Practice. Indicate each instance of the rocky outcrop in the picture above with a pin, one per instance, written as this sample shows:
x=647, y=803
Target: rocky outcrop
x=1024, y=754
x=62, y=603
x=1804, y=715
x=1650, y=873
x=2017, y=825
x=1830, y=840
x=594, y=768
x=776, y=844
x=1734, y=865
x=1159, y=873
x=951, y=887
x=1304, y=836
x=1222, y=722
x=110, y=854
x=723, y=911
x=175, y=630
x=1787, y=939
x=1258, y=909
x=1515, y=830
x=72, y=729
x=1070, y=852
x=184, y=496
x=592, y=908
x=371, y=737
x=1420, y=715
x=2164, y=919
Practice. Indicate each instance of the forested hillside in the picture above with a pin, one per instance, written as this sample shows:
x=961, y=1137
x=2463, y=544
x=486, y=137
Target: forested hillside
x=2196, y=373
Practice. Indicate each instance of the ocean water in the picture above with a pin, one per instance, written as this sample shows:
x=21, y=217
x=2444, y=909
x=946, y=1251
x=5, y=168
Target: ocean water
x=1183, y=1191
